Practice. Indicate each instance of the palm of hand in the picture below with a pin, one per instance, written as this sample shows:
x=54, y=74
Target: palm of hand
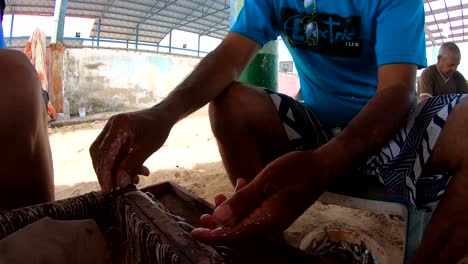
x=277, y=196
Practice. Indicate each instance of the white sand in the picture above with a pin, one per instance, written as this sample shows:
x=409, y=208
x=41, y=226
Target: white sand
x=190, y=158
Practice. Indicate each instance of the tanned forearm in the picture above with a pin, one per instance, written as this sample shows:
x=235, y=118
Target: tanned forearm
x=373, y=127
x=214, y=73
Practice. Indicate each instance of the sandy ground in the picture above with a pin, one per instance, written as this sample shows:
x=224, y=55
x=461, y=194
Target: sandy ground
x=190, y=158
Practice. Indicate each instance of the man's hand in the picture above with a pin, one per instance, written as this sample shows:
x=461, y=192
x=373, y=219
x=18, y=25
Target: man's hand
x=125, y=143
x=269, y=204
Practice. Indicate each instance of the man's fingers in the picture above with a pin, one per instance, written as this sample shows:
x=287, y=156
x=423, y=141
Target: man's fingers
x=110, y=148
x=144, y=171
x=131, y=165
x=216, y=236
x=274, y=215
x=135, y=179
x=219, y=199
x=95, y=152
x=269, y=219
x=241, y=203
x=240, y=183
x=208, y=221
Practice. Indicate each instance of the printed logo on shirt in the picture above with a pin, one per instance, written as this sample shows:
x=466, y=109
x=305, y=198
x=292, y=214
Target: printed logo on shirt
x=338, y=36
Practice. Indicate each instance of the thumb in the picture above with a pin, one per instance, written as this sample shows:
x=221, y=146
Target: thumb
x=130, y=166
x=240, y=183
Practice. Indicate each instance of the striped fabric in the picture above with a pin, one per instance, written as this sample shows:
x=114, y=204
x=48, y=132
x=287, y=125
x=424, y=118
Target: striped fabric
x=399, y=164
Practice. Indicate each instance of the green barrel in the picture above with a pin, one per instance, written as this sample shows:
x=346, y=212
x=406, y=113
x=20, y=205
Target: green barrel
x=263, y=70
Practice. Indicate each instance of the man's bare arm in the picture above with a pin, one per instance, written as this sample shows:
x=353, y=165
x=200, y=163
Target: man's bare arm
x=380, y=119
x=425, y=86
x=214, y=73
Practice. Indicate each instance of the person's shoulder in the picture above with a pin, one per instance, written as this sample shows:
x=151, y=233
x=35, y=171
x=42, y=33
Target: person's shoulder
x=429, y=70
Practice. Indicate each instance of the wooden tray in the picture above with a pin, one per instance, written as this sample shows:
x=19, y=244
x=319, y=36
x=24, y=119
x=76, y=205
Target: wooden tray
x=139, y=227
x=190, y=208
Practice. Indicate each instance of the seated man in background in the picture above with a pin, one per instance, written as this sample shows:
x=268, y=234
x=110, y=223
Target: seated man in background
x=26, y=158
x=443, y=77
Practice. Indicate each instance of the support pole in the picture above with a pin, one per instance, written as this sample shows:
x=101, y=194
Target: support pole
x=11, y=28
x=170, y=41
x=263, y=70
x=136, y=37
x=198, y=51
x=59, y=21
x=56, y=56
x=98, y=31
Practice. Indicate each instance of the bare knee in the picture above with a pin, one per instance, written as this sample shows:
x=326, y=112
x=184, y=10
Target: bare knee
x=16, y=70
x=26, y=160
x=238, y=102
x=226, y=102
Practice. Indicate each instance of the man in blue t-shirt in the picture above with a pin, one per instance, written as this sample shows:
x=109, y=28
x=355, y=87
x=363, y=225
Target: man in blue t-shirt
x=357, y=62
x=26, y=160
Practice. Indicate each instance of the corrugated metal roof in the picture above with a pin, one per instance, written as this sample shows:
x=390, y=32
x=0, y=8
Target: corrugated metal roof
x=446, y=20
x=153, y=20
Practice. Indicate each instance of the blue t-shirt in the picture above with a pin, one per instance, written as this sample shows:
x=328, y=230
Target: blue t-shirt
x=339, y=75
x=2, y=39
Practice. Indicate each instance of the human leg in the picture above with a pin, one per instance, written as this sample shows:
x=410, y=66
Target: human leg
x=26, y=161
x=248, y=130
x=419, y=163
x=254, y=127
x=446, y=237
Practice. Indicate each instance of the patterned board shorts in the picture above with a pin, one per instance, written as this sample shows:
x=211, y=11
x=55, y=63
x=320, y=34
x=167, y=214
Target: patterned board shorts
x=399, y=164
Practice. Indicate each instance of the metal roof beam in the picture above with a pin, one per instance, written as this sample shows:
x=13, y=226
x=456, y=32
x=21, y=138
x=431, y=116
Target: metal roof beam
x=450, y=36
x=108, y=5
x=126, y=14
x=124, y=34
x=173, y=4
x=150, y=19
x=187, y=15
x=429, y=35
x=451, y=28
x=443, y=10
x=149, y=14
x=9, y=4
x=33, y=6
x=191, y=21
x=215, y=30
x=132, y=28
x=208, y=7
x=442, y=21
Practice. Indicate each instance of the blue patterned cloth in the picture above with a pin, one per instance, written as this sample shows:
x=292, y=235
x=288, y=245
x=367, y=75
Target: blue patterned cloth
x=400, y=163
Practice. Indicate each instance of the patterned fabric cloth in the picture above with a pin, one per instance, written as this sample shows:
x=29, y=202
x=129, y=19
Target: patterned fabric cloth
x=36, y=51
x=400, y=163
x=128, y=220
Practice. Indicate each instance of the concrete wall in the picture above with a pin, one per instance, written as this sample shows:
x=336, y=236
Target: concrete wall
x=112, y=80
x=104, y=80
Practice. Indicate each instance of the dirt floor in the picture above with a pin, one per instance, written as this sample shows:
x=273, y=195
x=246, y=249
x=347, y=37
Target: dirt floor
x=190, y=158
